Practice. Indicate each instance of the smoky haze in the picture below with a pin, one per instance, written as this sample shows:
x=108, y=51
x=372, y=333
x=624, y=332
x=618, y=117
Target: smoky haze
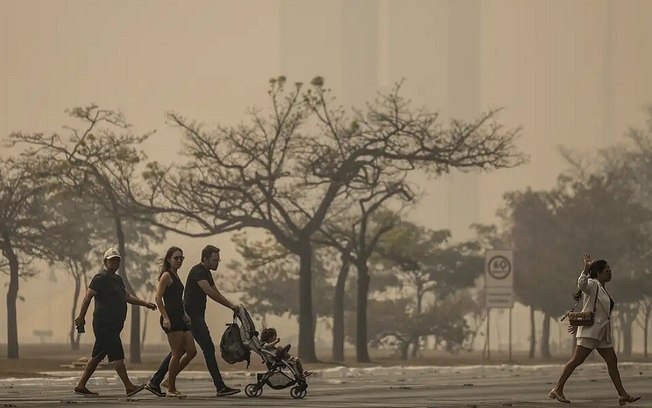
x=569, y=73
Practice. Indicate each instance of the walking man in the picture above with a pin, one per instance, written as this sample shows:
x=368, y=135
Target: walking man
x=109, y=316
x=199, y=285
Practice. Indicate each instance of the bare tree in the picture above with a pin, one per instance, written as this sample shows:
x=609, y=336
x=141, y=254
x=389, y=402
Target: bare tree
x=98, y=159
x=283, y=171
x=25, y=230
x=80, y=226
x=355, y=234
x=426, y=262
x=643, y=321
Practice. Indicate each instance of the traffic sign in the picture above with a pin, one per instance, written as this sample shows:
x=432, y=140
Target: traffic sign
x=499, y=279
x=498, y=300
x=499, y=270
x=499, y=287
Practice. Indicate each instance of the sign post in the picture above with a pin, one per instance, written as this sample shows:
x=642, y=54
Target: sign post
x=510, y=334
x=499, y=287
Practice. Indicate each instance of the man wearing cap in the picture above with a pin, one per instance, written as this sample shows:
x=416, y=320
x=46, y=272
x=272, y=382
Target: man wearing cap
x=109, y=316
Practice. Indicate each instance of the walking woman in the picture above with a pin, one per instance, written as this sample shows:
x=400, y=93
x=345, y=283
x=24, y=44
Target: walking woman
x=593, y=294
x=174, y=320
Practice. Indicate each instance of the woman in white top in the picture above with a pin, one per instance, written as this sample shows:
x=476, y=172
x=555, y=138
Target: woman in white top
x=591, y=283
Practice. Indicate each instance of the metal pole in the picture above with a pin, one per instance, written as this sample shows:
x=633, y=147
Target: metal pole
x=510, y=334
x=488, y=342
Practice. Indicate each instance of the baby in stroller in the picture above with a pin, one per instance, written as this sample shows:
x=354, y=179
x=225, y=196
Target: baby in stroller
x=283, y=370
x=269, y=339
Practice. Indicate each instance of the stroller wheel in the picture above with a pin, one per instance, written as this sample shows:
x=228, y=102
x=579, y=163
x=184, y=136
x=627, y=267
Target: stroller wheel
x=298, y=392
x=252, y=390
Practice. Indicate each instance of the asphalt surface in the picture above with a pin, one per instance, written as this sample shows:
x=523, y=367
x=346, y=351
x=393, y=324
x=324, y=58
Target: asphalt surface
x=478, y=386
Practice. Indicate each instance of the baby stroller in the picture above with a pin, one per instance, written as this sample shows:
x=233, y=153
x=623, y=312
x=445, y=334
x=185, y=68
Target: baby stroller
x=280, y=373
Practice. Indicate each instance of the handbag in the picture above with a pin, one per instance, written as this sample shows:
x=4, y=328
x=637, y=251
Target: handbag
x=582, y=318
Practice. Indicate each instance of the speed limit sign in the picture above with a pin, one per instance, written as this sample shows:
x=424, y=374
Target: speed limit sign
x=499, y=267
x=499, y=279
x=499, y=270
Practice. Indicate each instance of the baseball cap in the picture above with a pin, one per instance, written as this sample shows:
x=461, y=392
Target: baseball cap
x=111, y=253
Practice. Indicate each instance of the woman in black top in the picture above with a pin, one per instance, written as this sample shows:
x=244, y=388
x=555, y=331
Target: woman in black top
x=174, y=320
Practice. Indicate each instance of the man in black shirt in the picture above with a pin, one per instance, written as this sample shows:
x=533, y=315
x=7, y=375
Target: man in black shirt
x=109, y=316
x=200, y=284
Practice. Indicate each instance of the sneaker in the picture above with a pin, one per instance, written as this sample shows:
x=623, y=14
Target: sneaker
x=154, y=389
x=85, y=392
x=226, y=391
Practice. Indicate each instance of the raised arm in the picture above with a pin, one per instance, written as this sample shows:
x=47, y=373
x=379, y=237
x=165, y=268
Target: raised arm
x=583, y=282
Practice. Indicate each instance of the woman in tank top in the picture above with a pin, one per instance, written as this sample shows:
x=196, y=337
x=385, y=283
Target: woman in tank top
x=174, y=320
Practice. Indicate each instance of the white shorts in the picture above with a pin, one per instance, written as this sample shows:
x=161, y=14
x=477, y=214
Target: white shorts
x=590, y=343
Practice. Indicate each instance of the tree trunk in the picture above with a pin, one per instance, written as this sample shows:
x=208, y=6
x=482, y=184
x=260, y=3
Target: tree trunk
x=85, y=285
x=134, y=338
x=306, y=322
x=415, y=342
x=646, y=326
x=420, y=294
x=134, y=345
x=618, y=330
x=142, y=340
x=415, y=347
x=545, y=337
x=627, y=339
x=12, y=297
x=338, y=310
x=362, y=352
x=533, y=337
x=627, y=321
x=74, y=338
x=404, y=347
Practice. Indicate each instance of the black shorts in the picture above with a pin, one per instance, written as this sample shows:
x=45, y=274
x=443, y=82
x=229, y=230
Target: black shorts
x=176, y=324
x=107, y=341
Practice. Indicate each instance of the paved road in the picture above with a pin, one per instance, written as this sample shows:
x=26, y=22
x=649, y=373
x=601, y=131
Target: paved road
x=481, y=386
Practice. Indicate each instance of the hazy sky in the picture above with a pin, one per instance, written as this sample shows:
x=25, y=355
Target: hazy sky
x=575, y=73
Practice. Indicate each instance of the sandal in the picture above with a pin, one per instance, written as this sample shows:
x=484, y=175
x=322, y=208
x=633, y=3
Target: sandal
x=154, y=389
x=136, y=390
x=627, y=398
x=557, y=396
x=175, y=394
x=85, y=392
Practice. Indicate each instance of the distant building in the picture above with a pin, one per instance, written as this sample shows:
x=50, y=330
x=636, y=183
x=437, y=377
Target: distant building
x=355, y=46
